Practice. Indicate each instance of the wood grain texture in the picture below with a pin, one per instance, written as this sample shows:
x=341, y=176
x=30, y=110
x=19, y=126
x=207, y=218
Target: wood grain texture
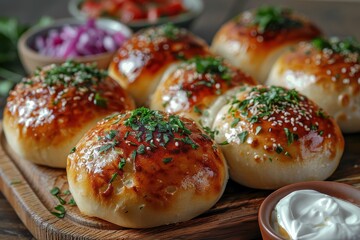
x=27, y=186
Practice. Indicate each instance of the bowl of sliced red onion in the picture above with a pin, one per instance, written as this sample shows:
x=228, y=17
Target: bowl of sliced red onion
x=86, y=41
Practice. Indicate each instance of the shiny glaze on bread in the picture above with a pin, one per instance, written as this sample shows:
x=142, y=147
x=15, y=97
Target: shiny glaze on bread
x=253, y=49
x=275, y=127
x=191, y=87
x=146, y=161
x=44, y=111
x=329, y=78
x=141, y=61
x=50, y=109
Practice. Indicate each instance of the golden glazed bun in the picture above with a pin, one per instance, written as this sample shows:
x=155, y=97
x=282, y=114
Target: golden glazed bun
x=146, y=168
x=47, y=114
x=272, y=137
x=253, y=40
x=141, y=61
x=327, y=72
x=190, y=88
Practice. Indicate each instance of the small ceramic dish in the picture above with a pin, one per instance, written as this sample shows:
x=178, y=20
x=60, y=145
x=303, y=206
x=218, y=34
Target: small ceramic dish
x=334, y=189
x=32, y=59
x=194, y=9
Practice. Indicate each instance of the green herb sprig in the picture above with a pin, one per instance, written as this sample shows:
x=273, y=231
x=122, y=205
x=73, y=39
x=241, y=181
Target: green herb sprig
x=146, y=122
x=345, y=46
x=266, y=100
x=274, y=18
x=212, y=65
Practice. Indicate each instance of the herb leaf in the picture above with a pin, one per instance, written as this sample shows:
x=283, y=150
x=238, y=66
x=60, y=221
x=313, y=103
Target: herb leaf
x=167, y=160
x=122, y=163
x=242, y=136
x=274, y=18
x=60, y=211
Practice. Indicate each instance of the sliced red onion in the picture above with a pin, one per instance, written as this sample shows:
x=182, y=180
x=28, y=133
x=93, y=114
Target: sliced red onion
x=77, y=41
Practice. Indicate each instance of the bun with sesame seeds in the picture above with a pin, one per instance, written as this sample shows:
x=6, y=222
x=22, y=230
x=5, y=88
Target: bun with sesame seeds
x=146, y=168
x=141, y=61
x=328, y=72
x=254, y=40
x=191, y=87
x=46, y=114
x=272, y=137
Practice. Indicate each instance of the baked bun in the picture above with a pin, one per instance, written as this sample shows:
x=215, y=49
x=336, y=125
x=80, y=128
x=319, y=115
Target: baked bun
x=48, y=113
x=146, y=168
x=141, y=61
x=272, y=137
x=253, y=40
x=327, y=72
x=190, y=88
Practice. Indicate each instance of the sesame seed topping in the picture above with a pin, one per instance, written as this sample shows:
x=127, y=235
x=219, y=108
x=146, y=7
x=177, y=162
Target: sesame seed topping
x=346, y=81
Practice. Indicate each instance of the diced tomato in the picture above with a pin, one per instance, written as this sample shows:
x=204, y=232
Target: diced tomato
x=92, y=9
x=130, y=11
x=172, y=8
x=153, y=13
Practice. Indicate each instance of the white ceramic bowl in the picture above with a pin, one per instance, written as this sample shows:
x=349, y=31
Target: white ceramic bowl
x=31, y=59
x=195, y=8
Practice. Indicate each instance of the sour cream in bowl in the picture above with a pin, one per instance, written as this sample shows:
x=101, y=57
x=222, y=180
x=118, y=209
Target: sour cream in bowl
x=311, y=210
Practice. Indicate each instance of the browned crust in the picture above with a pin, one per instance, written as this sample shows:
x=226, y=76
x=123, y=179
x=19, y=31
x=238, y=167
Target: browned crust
x=152, y=177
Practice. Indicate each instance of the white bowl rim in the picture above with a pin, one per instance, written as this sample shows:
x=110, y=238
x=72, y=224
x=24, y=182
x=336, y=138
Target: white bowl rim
x=195, y=8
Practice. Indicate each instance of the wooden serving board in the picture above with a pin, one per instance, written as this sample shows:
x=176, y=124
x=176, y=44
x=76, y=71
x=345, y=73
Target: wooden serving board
x=27, y=186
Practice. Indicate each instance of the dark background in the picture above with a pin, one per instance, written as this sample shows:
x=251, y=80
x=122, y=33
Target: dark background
x=340, y=17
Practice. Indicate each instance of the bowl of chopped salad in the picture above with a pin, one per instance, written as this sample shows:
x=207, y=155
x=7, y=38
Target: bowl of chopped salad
x=139, y=14
x=86, y=41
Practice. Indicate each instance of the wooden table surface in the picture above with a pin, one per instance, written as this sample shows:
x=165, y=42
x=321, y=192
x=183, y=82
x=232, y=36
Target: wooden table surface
x=339, y=18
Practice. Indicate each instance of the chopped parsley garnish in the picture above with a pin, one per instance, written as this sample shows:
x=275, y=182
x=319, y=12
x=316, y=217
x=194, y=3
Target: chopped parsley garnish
x=189, y=141
x=265, y=101
x=73, y=150
x=113, y=177
x=167, y=160
x=133, y=154
x=197, y=110
x=100, y=101
x=290, y=136
x=346, y=46
x=67, y=192
x=274, y=18
x=72, y=202
x=313, y=127
x=279, y=149
x=170, y=31
x=56, y=192
x=72, y=73
x=141, y=149
x=235, y=122
x=258, y=129
x=211, y=65
x=60, y=211
x=242, y=136
x=224, y=143
x=111, y=134
x=122, y=163
x=107, y=146
x=321, y=114
x=210, y=132
x=150, y=124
